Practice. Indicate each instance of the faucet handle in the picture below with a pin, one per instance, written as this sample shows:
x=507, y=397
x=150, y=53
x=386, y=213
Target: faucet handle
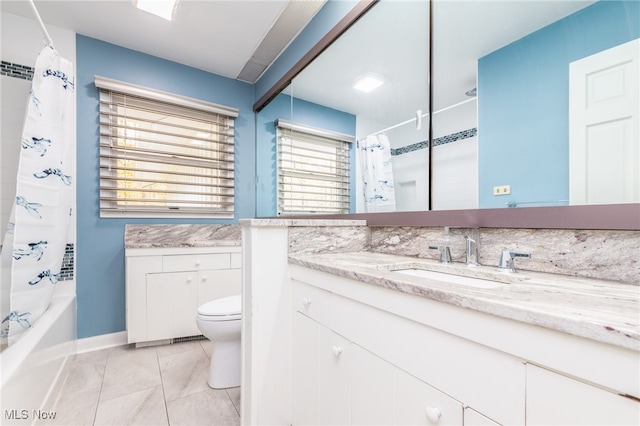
x=507, y=260
x=445, y=253
x=471, y=251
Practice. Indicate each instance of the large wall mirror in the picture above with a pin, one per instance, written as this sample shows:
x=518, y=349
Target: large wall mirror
x=535, y=103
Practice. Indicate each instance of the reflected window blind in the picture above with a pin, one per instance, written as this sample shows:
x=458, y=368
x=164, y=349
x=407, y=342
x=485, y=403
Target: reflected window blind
x=313, y=170
x=162, y=159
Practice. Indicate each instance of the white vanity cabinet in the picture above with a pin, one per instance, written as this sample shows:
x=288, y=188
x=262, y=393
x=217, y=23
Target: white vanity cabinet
x=413, y=360
x=354, y=364
x=165, y=286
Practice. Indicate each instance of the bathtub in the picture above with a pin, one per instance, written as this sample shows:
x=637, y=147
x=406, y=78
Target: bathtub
x=30, y=368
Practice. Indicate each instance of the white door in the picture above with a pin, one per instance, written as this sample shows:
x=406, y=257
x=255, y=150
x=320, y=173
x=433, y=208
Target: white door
x=604, y=135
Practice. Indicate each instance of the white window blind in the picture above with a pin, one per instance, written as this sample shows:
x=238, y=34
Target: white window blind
x=313, y=170
x=160, y=158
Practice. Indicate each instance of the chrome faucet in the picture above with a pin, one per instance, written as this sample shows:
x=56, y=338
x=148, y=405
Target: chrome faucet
x=507, y=260
x=445, y=253
x=471, y=251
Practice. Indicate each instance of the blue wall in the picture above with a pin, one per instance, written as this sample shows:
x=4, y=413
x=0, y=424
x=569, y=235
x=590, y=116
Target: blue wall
x=100, y=274
x=100, y=249
x=301, y=112
x=523, y=102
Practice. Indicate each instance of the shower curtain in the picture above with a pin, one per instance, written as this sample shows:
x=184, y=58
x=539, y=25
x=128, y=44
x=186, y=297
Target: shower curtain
x=377, y=173
x=36, y=236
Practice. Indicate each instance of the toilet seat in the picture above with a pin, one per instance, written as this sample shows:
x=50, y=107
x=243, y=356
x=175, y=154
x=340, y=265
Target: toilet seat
x=225, y=309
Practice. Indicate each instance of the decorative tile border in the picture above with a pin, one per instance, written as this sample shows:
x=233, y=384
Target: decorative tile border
x=66, y=272
x=10, y=69
x=465, y=134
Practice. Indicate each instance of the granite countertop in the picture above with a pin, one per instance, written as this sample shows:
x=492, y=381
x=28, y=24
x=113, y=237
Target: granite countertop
x=279, y=222
x=604, y=311
x=196, y=235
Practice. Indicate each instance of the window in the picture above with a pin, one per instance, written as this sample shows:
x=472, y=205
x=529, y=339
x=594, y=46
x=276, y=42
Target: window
x=164, y=155
x=313, y=170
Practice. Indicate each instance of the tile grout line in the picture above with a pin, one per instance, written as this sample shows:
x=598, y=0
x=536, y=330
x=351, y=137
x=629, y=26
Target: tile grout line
x=232, y=403
x=104, y=372
x=164, y=395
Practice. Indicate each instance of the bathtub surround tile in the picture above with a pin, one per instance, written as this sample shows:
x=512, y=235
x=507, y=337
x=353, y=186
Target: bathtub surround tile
x=10, y=69
x=184, y=373
x=443, y=140
x=212, y=407
x=144, y=407
x=66, y=272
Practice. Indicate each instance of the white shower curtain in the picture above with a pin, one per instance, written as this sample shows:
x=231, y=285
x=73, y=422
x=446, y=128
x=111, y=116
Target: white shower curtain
x=36, y=237
x=377, y=173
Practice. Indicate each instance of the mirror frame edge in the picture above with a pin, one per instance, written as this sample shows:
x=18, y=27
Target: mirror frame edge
x=358, y=11
x=595, y=217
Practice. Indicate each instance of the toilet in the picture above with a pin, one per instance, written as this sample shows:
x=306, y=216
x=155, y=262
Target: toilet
x=220, y=321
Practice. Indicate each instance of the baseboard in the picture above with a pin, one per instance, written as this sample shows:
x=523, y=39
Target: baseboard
x=104, y=341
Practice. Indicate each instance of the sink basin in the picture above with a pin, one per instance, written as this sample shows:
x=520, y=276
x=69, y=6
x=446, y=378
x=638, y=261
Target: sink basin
x=449, y=278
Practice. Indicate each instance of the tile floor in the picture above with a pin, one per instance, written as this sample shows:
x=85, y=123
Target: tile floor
x=161, y=385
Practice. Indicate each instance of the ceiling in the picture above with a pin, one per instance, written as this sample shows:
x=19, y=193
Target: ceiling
x=392, y=41
x=240, y=38
x=222, y=36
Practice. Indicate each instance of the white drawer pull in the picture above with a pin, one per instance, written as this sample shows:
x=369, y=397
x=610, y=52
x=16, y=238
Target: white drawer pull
x=197, y=263
x=189, y=279
x=337, y=350
x=204, y=278
x=433, y=414
x=306, y=301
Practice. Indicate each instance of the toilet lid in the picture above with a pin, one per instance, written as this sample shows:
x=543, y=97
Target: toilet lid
x=231, y=305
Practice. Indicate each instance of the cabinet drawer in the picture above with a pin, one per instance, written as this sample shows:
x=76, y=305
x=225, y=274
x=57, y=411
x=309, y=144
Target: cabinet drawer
x=487, y=380
x=556, y=399
x=196, y=262
x=313, y=302
x=143, y=264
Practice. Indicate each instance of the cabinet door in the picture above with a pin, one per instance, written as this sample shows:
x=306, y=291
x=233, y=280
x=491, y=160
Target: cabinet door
x=473, y=418
x=171, y=305
x=417, y=403
x=372, y=388
x=215, y=284
x=305, y=370
x=554, y=399
x=334, y=359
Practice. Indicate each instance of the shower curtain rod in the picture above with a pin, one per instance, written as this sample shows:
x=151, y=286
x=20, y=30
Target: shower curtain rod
x=426, y=114
x=44, y=29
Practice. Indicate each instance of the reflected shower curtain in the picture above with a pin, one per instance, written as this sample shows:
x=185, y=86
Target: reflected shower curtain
x=377, y=173
x=36, y=236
